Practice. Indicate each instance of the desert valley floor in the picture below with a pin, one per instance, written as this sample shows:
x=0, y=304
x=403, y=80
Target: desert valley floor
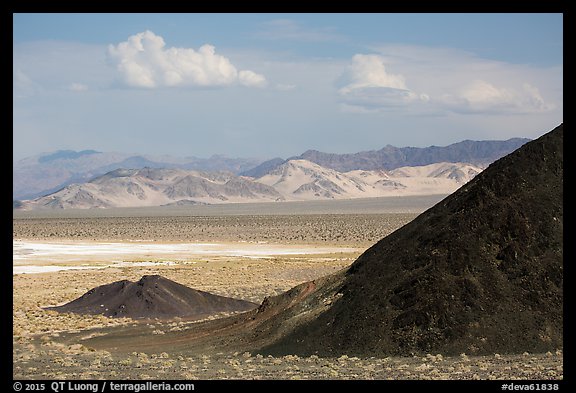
x=243, y=251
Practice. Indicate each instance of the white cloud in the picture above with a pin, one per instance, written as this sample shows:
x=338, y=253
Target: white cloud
x=533, y=98
x=382, y=97
x=454, y=81
x=484, y=94
x=251, y=79
x=370, y=71
x=144, y=61
x=483, y=97
x=367, y=84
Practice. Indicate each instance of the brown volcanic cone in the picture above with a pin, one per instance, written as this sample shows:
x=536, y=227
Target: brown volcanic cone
x=152, y=297
x=481, y=272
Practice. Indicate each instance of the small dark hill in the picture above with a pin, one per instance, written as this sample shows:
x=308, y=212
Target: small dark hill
x=481, y=273
x=152, y=297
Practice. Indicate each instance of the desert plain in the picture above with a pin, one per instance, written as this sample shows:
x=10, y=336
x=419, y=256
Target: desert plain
x=245, y=251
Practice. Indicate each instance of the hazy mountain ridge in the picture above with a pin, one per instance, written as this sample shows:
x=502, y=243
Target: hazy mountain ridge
x=65, y=154
x=478, y=153
x=46, y=173
x=263, y=168
x=292, y=181
x=155, y=187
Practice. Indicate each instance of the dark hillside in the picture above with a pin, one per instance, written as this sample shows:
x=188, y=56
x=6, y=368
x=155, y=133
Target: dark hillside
x=481, y=272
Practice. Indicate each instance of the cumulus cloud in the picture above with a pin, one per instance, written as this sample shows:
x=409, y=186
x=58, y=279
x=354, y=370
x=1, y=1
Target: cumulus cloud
x=367, y=83
x=251, y=79
x=145, y=61
x=480, y=96
x=370, y=71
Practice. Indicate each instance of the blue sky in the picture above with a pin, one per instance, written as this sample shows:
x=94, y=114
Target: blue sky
x=267, y=85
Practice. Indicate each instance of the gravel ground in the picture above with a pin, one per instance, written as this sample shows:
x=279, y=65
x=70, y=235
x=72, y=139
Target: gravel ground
x=56, y=361
x=342, y=229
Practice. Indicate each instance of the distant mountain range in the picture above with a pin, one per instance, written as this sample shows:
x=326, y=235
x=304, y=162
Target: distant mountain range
x=49, y=173
x=478, y=153
x=44, y=174
x=293, y=180
x=155, y=187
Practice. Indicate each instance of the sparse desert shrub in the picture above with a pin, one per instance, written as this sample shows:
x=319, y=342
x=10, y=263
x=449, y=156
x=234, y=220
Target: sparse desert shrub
x=423, y=367
x=291, y=358
x=96, y=363
x=125, y=362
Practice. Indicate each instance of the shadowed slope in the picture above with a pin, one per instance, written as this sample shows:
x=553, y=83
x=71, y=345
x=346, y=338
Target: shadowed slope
x=481, y=272
x=152, y=297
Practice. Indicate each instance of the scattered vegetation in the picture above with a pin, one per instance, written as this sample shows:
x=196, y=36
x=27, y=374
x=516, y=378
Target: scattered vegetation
x=341, y=229
x=57, y=363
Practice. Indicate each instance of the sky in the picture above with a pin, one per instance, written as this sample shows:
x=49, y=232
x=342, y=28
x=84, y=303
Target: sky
x=275, y=85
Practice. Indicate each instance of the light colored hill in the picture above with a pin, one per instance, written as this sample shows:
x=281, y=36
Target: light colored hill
x=156, y=187
x=295, y=180
x=43, y=174
x=305, y=180
x=460, y=172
